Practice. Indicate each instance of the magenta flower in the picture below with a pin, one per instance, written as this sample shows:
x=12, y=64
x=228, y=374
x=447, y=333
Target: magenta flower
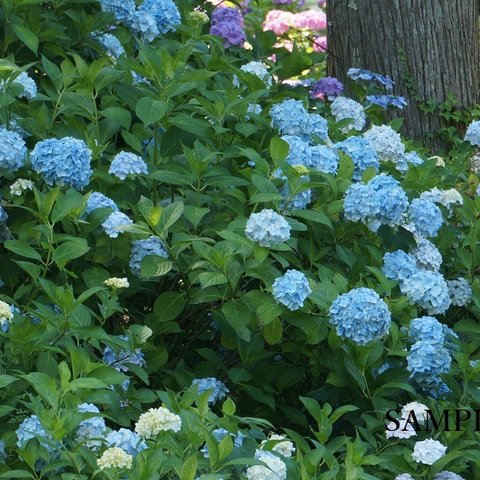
x=310, y=19
x=278, y=21
x=320, y=44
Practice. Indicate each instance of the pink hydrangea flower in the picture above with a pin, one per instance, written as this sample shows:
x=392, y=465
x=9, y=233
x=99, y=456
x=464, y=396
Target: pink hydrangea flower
x=278, y=21
x=320, y=44
x=310, y=19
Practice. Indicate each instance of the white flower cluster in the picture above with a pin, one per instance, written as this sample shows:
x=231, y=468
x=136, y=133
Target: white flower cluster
x=6, y=313
x=406, y=430
x=20, y=185
x=151, y=423
x=275, y=468
x=284, y=446
x=428, y=451
x=115, y=458
x=115, y=282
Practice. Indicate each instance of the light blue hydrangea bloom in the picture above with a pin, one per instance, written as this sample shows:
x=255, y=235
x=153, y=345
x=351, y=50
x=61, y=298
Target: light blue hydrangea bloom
x=291, y=289
x=254, y=108
x=460, y=292
x=399, y=265
x=359, y=204
x=127, y=440
x=267, y=228
x=259, y=69
x=145, y=25
x=473, y=133
x=300, y=201
x=428, y=290
x=28, y=84
x=64, y=161
x=3, y=214
x=111, y=44
x=3, y=452
x=122, y=10
x=360, y=315
x=386, y=142
x=165, y=13
x=127, y=163
x=141, y=248
x=219, y=434
x=218, y=388
x=362, y=154
x=299, y=150
x=410, y=158
x=426, y=328
x=323, y=159
x=343, y=108
x=90, y=432
x=446, y=475
x=425, y=217
x=426, y=361
x=289, y=117
x=113, y=223
x=427, y=255
x=13, y=152
x=317, y=125
x=98, y=200
x=31, y=428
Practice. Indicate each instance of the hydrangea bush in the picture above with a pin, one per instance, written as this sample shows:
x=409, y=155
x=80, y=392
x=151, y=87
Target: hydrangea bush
x=217, y=266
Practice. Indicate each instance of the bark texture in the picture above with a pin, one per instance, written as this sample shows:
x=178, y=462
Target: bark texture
x=430, y=46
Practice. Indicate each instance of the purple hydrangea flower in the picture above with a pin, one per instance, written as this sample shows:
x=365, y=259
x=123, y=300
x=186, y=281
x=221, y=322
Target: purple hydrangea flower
x=326, y=87
x=386, y=101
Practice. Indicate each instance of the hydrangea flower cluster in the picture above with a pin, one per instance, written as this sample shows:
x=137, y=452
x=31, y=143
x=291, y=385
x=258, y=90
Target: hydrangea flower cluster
x=218, y=388
x=300, y=201
x=343, y=108
x=427, y=255
x=14, y=150
x=399, y=265
x=278, y=21
x=127, y=163
x=283, y=447
x=116, y=283
x=127, y=440
x=472, y=134
x=386, y=101
x=115, y=458
x=91, y=431
x=404, y=430
x=267, y=228
x=360, y=315
x=98, y=200
x=419, y=409
x=19, y=186
x=227, y=23
x=113, y=224
x=6, y=315
x=386, y=142
x=322, y=158
x=164, y=12
x=327, y=87
x=156, y=420
x=258, y=69
x=28, y=84
x=31, y=428
x=275, y=467
x=111, y=44
x=291, y=289
x=409, y=158
x=446, y=475
x=141, y=248
x=426, y=329
x=425, y=217
x=358, y=74
x=310, y=20
x=362, y=154
x=460, y=292
x=122, y=10
x=219, y=434
x=63, y=161
x=448, y=198
x=428, y=451
x=428, y=290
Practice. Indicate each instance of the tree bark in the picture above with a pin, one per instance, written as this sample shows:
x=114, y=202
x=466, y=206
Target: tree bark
x=428, y=47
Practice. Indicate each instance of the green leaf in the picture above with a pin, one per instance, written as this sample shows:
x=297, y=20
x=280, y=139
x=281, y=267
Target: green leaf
x=237, y=316
x=278, y=149
x=272, y=333
x=189, y=468
x=70, y=250
x=65, y=204
x=119, y=115
x=45, y=386
x=150, y=110
x=22, y=249
x=26, y=36
x=6, y=380
x=16, y=474
x=155, y=266
x=314, y=216
x=225, y=447
x=172, y=178
x=168, y=306
x=171, y=213
x=86, y=383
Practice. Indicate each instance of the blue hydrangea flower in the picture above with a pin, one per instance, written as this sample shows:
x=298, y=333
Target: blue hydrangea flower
x=316, y=125
x=3, y=214
x=259, y=69
x=127, y=440
x=64, y=161
x=409, y=158
x=446, y=475
x=425, y=217
x=219, y=434
x=253, y=108
x=359, y=204
x=267, y=228
x=218, y=388
x=322, y=158
x=429, y=290
x=127, y=163
x=3, y=452
x=391, y=199
x=289, y=117
x=386, y=101
x=358, y=74
x=90, y=432
x=426, y=328
x=473, y=133
x=343, y=108
x=28, y=84
x=113, y=223
x=427, y=255
x=14, y=150
x=386, y=142
x=31, y=428
x=399, y=265
x=299, y=150
x=141, y=248
x=111, y=44
x=291, y=289
x=98, y=200
x=145, y=25
x=460, y=292
x=360, y=315
x=426, y=361
x=122, y=10
x=165, y=13
x=362, y=154
x=300, y=201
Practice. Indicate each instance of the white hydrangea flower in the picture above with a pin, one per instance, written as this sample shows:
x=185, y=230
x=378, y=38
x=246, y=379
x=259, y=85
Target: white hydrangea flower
x=419, y=409
x=115, y=458
x=428, y=451
x=404, y=476
x=6, y=313
x=19, y=186
x=404, y=430
x=440, y=162
x=115, y=282
x=259, y=69
x=275, y=468
x=285, y=447
x=343, y=108
x=156, y=420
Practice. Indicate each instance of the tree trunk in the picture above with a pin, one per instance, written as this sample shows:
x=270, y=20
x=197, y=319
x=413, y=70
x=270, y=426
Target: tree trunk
x=428, y=47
